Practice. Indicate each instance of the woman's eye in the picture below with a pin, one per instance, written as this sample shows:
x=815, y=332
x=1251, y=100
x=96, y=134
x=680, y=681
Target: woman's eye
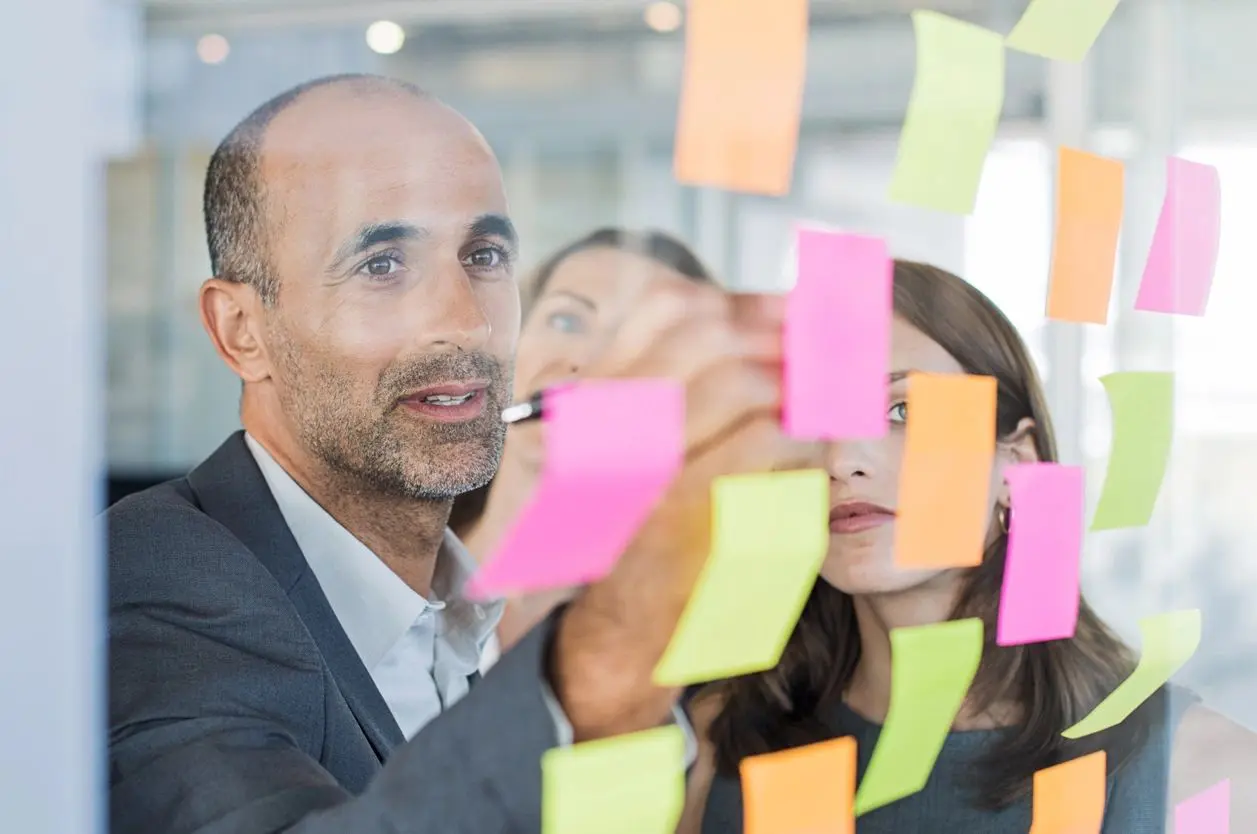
x=898, y=413
x=381, y=266
x=490, y=257
x=565, y=322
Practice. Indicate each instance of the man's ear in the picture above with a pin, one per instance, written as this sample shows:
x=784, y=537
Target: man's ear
x=232, y=315
x=1019, y=447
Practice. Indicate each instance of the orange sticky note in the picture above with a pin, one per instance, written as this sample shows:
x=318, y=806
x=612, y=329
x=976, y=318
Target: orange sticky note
x=945, y=480
x=742, y=94
x=1089, y=201
x=804, y=790
x=1069, y=797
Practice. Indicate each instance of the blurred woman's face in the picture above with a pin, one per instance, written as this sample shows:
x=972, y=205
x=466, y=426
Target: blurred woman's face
x=571, y=321
x=864, y=482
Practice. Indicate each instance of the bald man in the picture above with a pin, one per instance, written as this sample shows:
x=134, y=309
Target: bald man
x=289, y=646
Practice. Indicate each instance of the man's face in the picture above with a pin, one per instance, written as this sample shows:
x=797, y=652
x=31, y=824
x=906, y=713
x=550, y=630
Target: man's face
x=392, y=339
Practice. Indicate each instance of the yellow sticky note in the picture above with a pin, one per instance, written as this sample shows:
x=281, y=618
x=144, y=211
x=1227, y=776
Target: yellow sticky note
x=952, y=114
x=1169, y=641
x=931, y=668
x=630, y=784
x=1142, y=404
x=1061, y=29
x=742, y=94
x=770, y=534
x=1069, y=797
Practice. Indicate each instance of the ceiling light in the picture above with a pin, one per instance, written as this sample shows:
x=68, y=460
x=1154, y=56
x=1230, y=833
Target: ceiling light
x=663, y=16
x=385, y=37
x=213, y=49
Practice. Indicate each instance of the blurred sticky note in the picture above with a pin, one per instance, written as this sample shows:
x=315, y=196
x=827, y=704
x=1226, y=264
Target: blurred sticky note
x=742, y=94
x=931, y=669
x=1208, y=812
x=804, y=790
x=1039, y=600
x=770, y=533
x=1089, y=202
x=1184, y=252
x=593, y=494
x=1069, y=797
x=1169, y=641
x=1063, y=30
x=1142, y=404
x=945, y=480
x=952, y=114
x=630, y=784
x=837, y=338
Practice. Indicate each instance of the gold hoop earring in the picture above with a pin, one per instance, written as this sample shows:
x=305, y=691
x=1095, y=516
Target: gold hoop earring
x=1002, y=518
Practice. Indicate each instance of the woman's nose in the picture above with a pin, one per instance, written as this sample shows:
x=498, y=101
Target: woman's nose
x=848, y=460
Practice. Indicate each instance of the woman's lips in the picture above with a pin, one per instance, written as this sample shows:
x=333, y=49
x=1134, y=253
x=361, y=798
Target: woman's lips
x=857, y=516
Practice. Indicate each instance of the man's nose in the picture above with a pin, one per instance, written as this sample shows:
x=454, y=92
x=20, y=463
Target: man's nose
x=452, y=314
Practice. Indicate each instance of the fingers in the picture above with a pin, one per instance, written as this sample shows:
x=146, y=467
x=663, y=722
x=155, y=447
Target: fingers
x=726, y=396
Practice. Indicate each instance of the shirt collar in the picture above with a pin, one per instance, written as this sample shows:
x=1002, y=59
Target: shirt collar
x=374, y=606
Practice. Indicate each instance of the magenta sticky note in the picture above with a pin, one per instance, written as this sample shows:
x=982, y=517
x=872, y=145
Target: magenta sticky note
x=612, y=448
x=1184, y=252
x=1039, y=600
x=837, y=338
x=1208, y=812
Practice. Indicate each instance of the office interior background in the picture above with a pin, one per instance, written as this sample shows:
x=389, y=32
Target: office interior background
x=578, y=98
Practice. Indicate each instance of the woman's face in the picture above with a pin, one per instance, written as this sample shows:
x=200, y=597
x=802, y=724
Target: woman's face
x=578, y=311
x=864, y=476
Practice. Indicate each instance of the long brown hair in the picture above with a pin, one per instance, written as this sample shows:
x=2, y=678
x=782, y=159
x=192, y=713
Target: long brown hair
x=1054, y=684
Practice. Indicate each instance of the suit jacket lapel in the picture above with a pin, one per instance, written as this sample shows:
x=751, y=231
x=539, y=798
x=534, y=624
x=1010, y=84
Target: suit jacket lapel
x=230, y=489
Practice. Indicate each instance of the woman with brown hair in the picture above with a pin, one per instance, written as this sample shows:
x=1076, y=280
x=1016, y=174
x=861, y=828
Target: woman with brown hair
x=573, y=304
x=834, y=677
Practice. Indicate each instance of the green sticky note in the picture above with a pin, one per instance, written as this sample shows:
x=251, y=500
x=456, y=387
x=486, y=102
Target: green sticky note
x=1142, y=403
x=1169, y=641
x=630, y=784
x=1061, y=29
x=952, y=114
x=931, y=668
x=770, y=534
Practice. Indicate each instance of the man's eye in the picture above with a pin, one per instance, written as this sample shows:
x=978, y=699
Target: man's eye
x=381, y=266
x=490, y=257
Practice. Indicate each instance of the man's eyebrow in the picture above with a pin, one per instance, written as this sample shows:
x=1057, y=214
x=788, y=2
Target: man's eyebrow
x=373, y=234
x=493, y=225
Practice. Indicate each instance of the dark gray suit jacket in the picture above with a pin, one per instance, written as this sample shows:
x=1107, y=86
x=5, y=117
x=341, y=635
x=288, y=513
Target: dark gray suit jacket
x=238, y=706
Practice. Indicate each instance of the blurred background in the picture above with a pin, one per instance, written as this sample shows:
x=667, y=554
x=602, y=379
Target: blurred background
x=578, y=97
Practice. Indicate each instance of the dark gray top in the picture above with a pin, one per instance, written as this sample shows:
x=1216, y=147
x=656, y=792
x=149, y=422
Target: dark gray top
x=1136, y=801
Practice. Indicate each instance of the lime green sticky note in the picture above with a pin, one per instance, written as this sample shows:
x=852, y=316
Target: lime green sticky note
x=952, y=114
x=1061, y=29
x=770, y=533
x=629, y=784
x=931, y=668
x=1169, y=641
x=1142, y=403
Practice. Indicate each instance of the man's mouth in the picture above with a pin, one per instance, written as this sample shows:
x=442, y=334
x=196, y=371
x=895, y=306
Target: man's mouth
x=449, y=402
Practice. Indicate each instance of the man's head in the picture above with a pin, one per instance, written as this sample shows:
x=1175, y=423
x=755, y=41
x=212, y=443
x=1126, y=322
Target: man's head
x=364, y=285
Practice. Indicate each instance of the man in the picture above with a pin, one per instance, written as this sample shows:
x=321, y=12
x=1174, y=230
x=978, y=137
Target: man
x=287, y=616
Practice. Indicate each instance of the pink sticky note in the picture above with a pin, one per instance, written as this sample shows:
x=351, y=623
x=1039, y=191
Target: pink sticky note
x=1045, y=528
x=1184, y=252
x=837, y=338
x=1208, y=812
x=612, y=448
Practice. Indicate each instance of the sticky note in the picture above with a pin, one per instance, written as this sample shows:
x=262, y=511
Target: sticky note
x=804, y=790
x=1208, y=812
x=837, y=338
x=741, y=94
x=945, y=479
x=1063, y=30
x=1184, y=253
x=1039, y=600
x=630, y=784
x=952, y=114
x=1142, y=404
x=1089, y=203
x=770, y=533
x=1069, y=797
x=1169, y=641
x=612, y=448
x=932, y=667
